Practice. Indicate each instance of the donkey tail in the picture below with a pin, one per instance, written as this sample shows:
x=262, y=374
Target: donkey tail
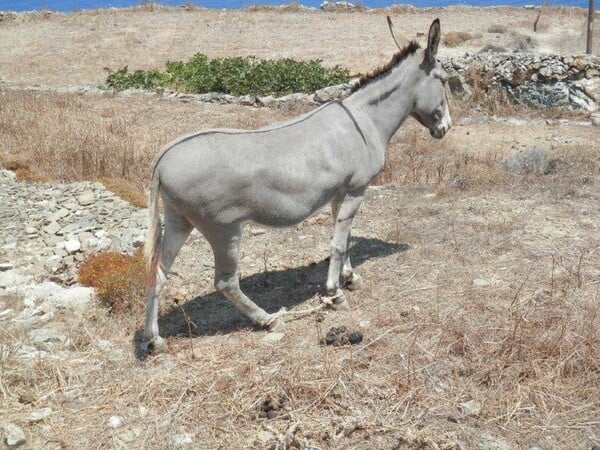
x=153, y=237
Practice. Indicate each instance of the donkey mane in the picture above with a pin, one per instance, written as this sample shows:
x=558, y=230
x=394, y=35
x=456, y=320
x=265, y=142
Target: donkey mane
x=396, y=59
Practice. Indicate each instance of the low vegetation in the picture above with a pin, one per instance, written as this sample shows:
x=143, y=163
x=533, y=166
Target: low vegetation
x=235, y=76
x=456, y=38
x=118, y=278
x=480, y=313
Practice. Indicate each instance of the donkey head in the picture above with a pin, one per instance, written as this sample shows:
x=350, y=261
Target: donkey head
x=431, y=102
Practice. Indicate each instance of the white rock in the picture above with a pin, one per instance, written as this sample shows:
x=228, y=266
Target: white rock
x=86, y=198
x=143, y=411
x=470, y=408
x=61, y=297
x=257, y=231
x=264, y=436
x=42, y=335
x=31, y=230
x=115, y=421
x=182, y=439
x=72, y=246
x=481, y=282
x=490, y=442
x=40, y=414
x=12, y=278
x=51, y=228
x=13, y=435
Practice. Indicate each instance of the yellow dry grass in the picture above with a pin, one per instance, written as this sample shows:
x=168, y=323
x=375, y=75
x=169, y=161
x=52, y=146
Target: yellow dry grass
x=491, y=308
x=480, y=311
x=456, y=38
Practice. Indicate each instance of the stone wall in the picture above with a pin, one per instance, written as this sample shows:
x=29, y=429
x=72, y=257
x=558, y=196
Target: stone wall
x=536, y=80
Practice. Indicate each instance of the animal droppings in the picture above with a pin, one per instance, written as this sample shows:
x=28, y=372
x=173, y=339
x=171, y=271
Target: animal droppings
x=338, y=336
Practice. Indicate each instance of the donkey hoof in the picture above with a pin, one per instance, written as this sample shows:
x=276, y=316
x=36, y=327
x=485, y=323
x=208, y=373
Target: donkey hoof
x=355, y=282
x=275, y=323
x=154, y=346
x=340, y=303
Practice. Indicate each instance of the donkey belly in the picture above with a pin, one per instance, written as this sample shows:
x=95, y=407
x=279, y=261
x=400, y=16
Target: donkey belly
x=280, y=209
x=271, y=199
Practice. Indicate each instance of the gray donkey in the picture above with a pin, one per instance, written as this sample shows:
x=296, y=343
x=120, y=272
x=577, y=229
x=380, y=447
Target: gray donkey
x=218, y=180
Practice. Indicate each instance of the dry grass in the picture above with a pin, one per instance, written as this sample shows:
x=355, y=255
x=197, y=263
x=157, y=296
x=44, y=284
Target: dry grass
x=144, y=38
x=480, y=311
x=497, y=28
x=456, y=38
x=125, y=190
x=66, y=137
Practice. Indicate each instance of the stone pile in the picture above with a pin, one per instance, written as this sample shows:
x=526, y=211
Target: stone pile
x=49, y=228
x=321, y=96
x=537, y=80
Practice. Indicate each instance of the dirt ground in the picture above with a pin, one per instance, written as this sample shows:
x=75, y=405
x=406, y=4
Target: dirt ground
x=480, y=313
x=50, y=49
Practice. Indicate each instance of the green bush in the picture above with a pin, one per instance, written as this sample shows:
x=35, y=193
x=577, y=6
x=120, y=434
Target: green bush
x=235, y=76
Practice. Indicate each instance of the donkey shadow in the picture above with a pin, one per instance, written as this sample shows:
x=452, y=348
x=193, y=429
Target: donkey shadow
x=212, y=314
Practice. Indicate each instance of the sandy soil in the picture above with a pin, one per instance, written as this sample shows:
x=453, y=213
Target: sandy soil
x=71, y=50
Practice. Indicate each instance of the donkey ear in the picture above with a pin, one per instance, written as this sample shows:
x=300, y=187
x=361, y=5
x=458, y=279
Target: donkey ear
x=400, y=40
x=433, y=40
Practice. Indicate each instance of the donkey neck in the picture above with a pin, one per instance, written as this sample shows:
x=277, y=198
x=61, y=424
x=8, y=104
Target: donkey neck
x=385, y=102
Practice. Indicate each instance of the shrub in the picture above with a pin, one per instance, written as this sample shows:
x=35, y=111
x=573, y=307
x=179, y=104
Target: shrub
x=497, y=29
x=455, y=38
x=117, y=277
x=141, y=79
x=235, y=76
x=523, y=43
x=534, y=161
x=22, y=168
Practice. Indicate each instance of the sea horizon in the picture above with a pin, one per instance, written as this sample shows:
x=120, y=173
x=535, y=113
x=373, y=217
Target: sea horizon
x=77, y=5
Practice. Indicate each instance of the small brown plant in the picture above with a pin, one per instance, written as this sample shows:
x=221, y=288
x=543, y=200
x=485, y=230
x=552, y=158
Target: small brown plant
x=22, y=169
x=484, y=92
x=455, y=38
x=497, y=28
x=117, y=277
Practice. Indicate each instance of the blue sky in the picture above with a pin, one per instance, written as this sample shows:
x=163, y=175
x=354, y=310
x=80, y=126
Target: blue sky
x=73, y=5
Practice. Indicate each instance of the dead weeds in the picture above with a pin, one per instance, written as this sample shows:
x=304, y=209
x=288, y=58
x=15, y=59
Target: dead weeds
x=480, y=322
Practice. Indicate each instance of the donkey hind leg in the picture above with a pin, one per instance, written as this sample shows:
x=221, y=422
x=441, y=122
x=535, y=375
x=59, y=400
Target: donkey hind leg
x=177, y=229
x=344, y=209
x=225, y=243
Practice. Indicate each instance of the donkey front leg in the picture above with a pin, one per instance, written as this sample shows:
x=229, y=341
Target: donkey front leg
x=225, y=242
x=344, y=210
